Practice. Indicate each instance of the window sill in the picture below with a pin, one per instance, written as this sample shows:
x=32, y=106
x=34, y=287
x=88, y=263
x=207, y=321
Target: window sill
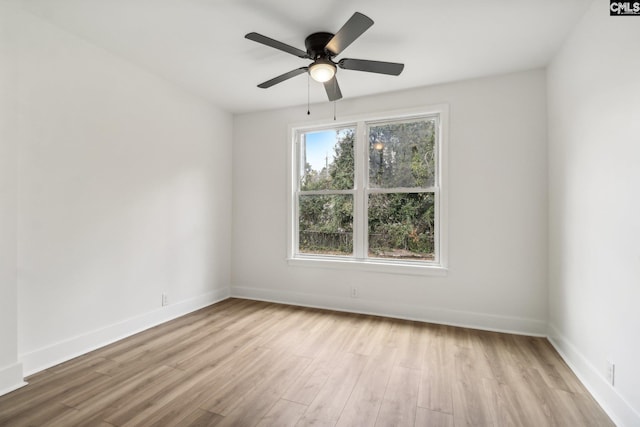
x=379, y=266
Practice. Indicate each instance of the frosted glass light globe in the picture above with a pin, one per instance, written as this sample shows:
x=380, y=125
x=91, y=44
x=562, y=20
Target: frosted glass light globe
x=322, y=70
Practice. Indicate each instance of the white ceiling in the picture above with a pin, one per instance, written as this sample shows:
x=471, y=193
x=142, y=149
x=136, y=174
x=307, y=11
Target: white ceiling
x=199, y=45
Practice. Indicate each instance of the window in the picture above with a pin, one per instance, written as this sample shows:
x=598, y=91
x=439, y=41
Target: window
x=370, y=192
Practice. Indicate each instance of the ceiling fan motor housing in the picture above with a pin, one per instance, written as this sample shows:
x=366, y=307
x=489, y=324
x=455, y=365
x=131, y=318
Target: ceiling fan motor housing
x=316, y=44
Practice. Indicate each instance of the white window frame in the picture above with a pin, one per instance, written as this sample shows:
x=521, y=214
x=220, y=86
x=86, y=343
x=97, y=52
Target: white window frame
x=361, y=193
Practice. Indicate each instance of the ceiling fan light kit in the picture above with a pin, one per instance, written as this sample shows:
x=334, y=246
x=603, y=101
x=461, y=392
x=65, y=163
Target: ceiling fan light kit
x=321, y=48
x=322, y=70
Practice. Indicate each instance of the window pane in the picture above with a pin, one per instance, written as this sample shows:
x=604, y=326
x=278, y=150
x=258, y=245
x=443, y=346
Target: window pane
x=326, y=224
x=402, y=154
x=326, y=160
x=401, y=226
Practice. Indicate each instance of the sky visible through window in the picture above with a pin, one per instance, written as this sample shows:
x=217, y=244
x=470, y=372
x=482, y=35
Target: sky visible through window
x=319, y=148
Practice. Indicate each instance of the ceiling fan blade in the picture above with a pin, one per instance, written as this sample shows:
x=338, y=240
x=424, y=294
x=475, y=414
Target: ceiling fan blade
x=277, y=45
x=392, y=68
x=283, y=77
x=333, y=89
x=351, y=30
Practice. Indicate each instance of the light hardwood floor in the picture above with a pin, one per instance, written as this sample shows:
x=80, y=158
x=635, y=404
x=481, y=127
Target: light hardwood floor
x=248, y=363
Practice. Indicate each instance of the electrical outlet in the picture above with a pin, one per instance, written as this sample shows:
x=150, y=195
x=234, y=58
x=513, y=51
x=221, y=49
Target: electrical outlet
x=165, y=299
x=611, y=372
x=354, y=292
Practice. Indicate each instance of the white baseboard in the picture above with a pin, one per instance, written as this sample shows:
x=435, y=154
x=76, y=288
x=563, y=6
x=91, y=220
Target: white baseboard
x=43, y=358
x=11, y=378
x=618, y=409
x=489, y=322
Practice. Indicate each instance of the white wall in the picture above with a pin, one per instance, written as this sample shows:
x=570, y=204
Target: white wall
x=10, y=368
x=594, y=181
x=497, y=211
x=124, y=194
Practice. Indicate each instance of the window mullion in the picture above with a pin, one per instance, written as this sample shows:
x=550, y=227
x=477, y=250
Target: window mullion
x=360, y=207
x=436, y=237
x=294, y=192
x=403, y=190
x=323, y=192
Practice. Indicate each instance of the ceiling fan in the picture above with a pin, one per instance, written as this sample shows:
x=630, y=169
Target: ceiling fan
x=321, y=49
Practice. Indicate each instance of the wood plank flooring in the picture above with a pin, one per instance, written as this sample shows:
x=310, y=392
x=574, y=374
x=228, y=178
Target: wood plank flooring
x=249, y=363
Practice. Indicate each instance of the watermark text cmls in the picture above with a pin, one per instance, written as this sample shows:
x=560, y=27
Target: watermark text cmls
x=622, y=8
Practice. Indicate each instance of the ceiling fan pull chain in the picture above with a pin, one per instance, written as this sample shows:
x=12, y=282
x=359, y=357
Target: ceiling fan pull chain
x=308, y=94
x=335, y=101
